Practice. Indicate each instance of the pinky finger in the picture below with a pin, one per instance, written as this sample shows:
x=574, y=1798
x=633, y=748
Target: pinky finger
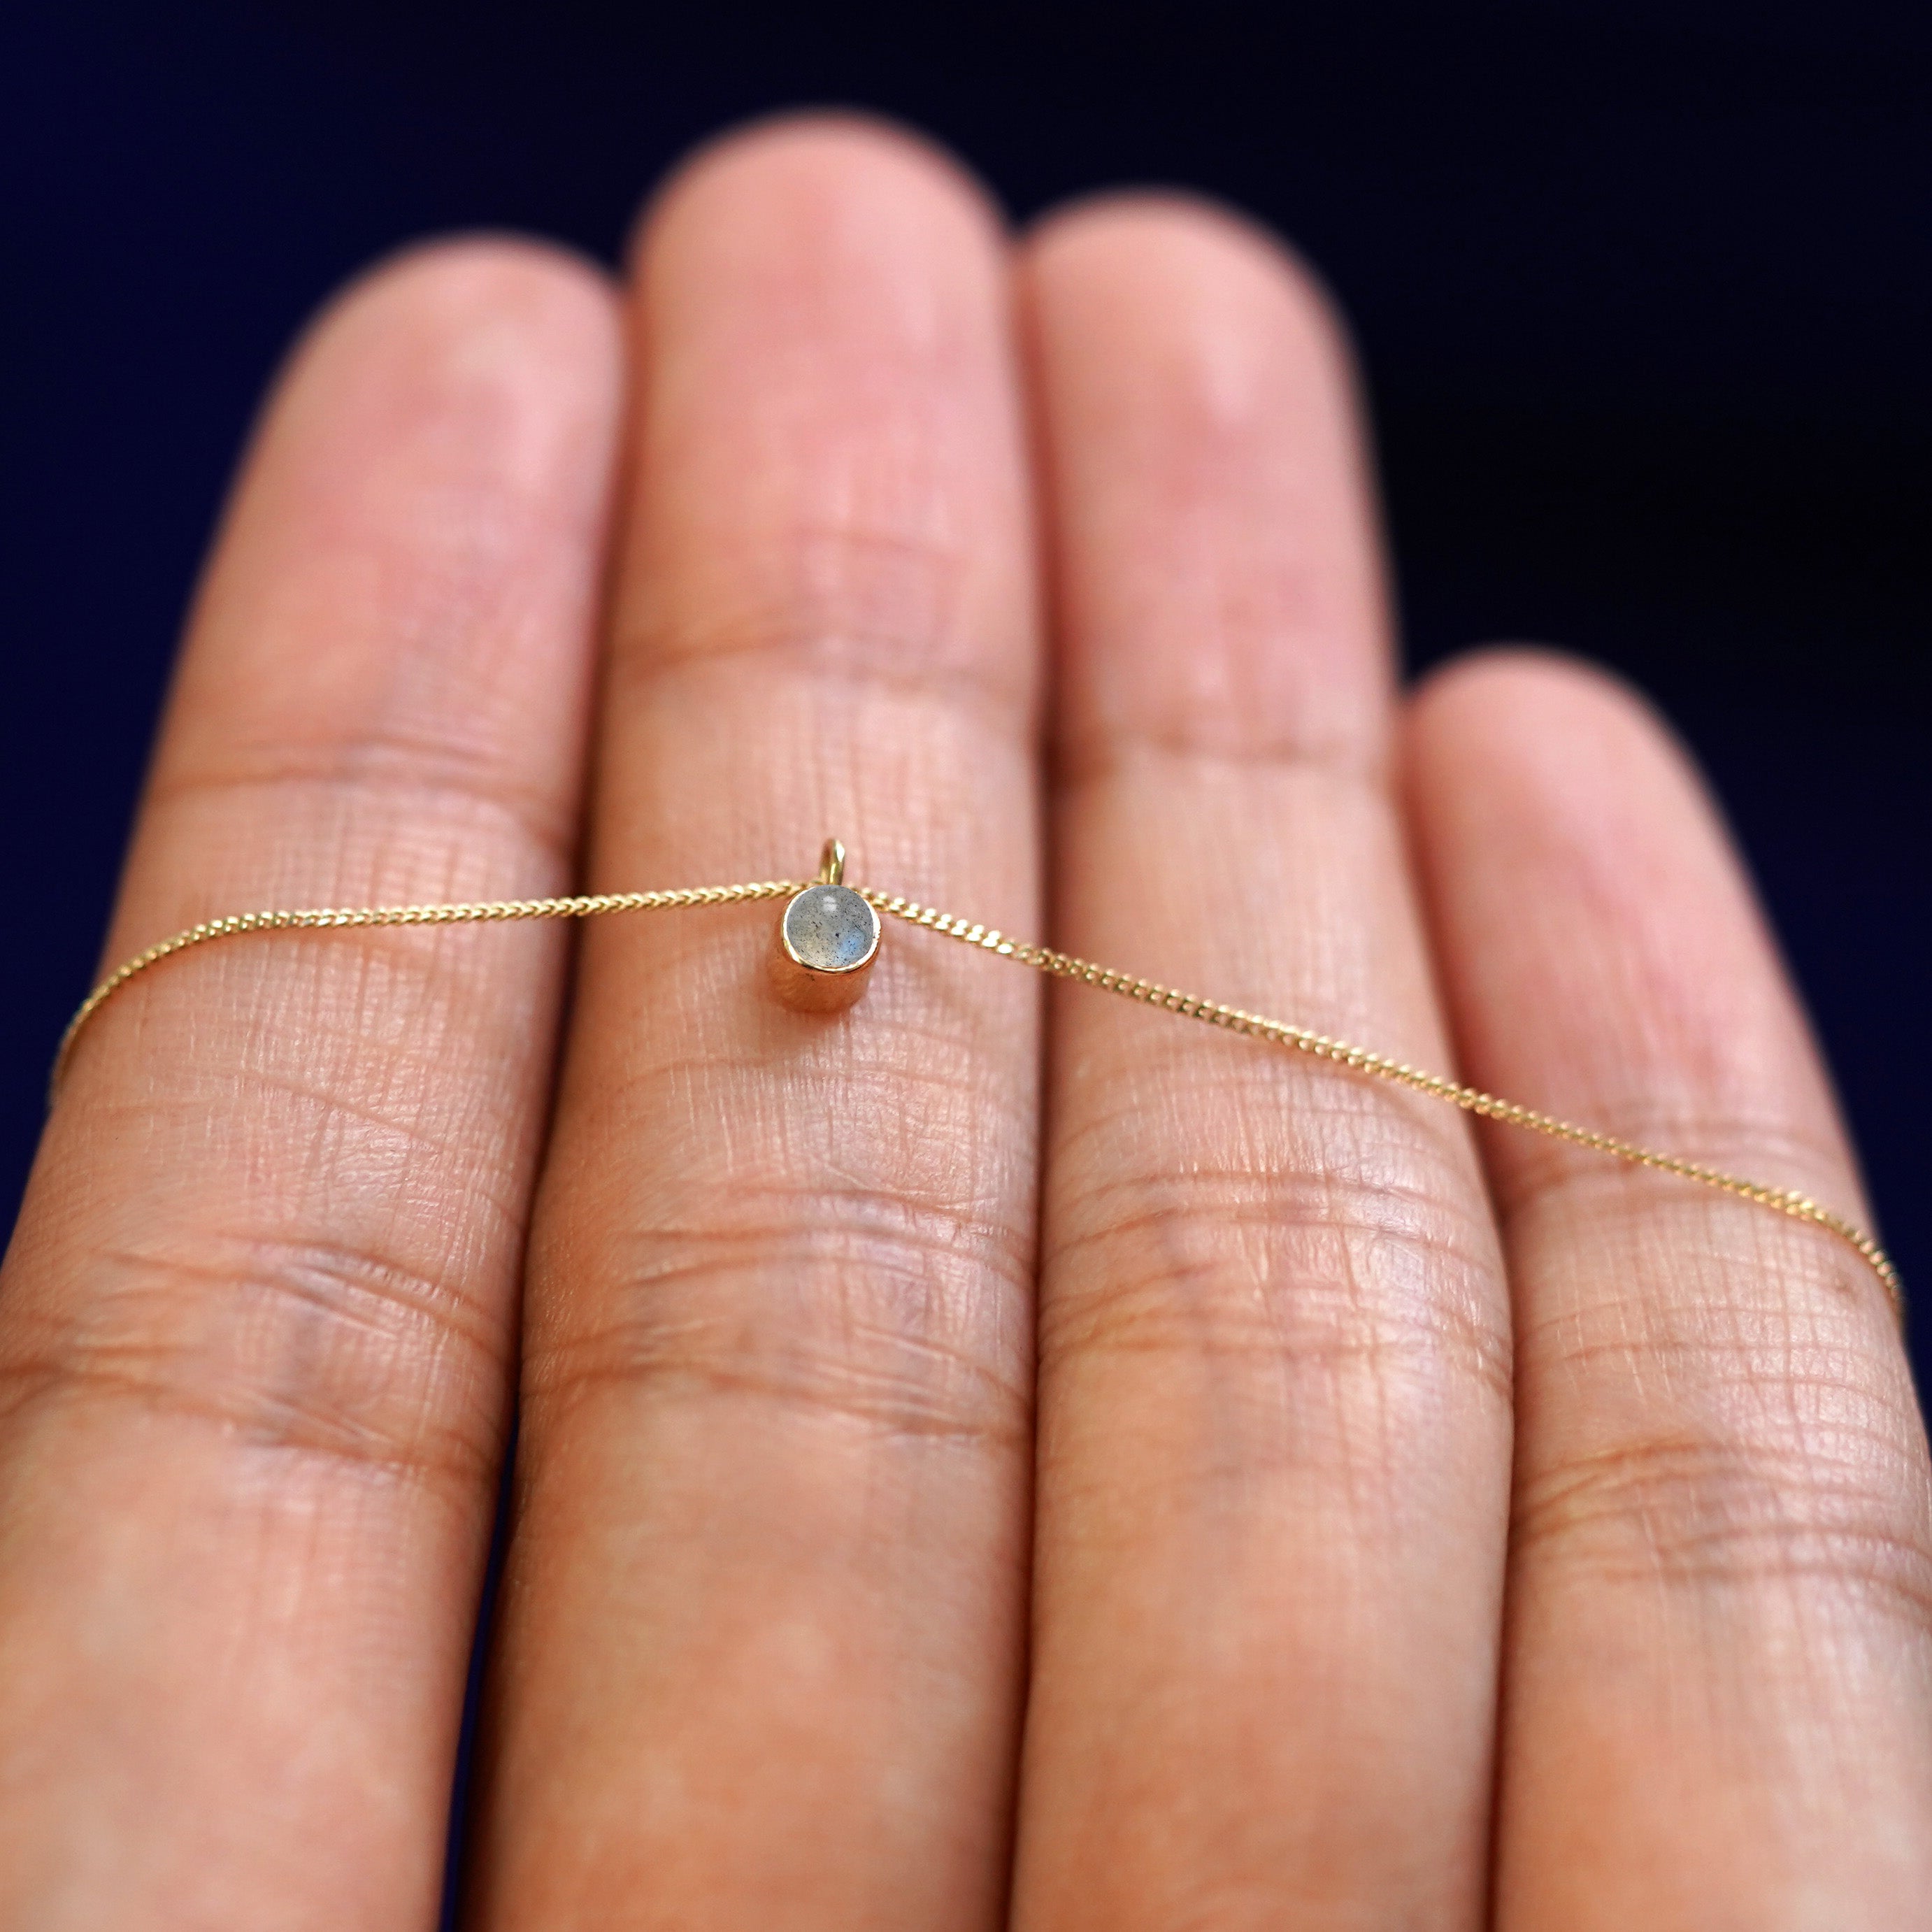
x=1718, y=1655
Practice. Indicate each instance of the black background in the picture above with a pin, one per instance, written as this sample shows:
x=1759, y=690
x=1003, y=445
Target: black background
x=1642, y=290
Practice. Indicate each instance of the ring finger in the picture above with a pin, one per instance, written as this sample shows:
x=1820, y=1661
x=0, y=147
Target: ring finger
x=1274, y=1383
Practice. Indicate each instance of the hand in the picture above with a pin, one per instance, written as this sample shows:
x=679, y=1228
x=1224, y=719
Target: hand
x=1391, y=1519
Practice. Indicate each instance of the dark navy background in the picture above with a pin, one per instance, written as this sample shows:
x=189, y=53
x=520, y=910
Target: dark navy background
x=1643, y=291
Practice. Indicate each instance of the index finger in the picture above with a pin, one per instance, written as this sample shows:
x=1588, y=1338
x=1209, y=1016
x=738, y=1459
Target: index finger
x=257, y=1323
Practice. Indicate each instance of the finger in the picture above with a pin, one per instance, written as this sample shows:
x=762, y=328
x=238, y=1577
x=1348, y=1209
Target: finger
x=255, y=1323
x=765, y=1596
x=1719, y=1669
x=1274, y=1414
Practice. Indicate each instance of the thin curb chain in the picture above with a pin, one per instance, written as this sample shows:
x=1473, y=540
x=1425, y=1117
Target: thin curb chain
x=1042, y=958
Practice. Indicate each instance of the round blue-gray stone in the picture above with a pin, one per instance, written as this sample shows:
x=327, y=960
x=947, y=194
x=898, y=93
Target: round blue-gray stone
x=831, y=929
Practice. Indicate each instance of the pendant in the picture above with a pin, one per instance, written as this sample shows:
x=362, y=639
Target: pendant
x=826, y=940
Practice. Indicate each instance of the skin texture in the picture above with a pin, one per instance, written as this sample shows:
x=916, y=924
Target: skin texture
x=778, y=1374
x=998, y=1456
x=258, y=1323
x=1274, y=1335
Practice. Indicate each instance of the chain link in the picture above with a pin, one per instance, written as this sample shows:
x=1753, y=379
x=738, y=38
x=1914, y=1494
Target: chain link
x=1043, y=959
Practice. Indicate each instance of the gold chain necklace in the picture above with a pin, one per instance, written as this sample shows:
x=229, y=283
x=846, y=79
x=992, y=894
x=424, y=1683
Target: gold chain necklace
x=812, y=982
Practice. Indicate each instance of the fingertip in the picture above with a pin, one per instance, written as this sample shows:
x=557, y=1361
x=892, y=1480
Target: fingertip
x=807, y=161
x=1506, y=680
x=431, y=469
x=1214, y=528
x=502, y=305
x=1534, y=732
x=493, y=362
x=1565, y=837
x=496, y=360
x=1123, y=246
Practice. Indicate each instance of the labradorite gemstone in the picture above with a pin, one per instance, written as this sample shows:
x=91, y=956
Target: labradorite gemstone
x=831, y=928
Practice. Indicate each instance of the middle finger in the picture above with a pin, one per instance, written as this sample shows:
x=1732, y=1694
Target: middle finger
x=765, y=1599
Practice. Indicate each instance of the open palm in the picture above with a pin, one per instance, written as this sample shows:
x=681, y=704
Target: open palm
x=992, y=1456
